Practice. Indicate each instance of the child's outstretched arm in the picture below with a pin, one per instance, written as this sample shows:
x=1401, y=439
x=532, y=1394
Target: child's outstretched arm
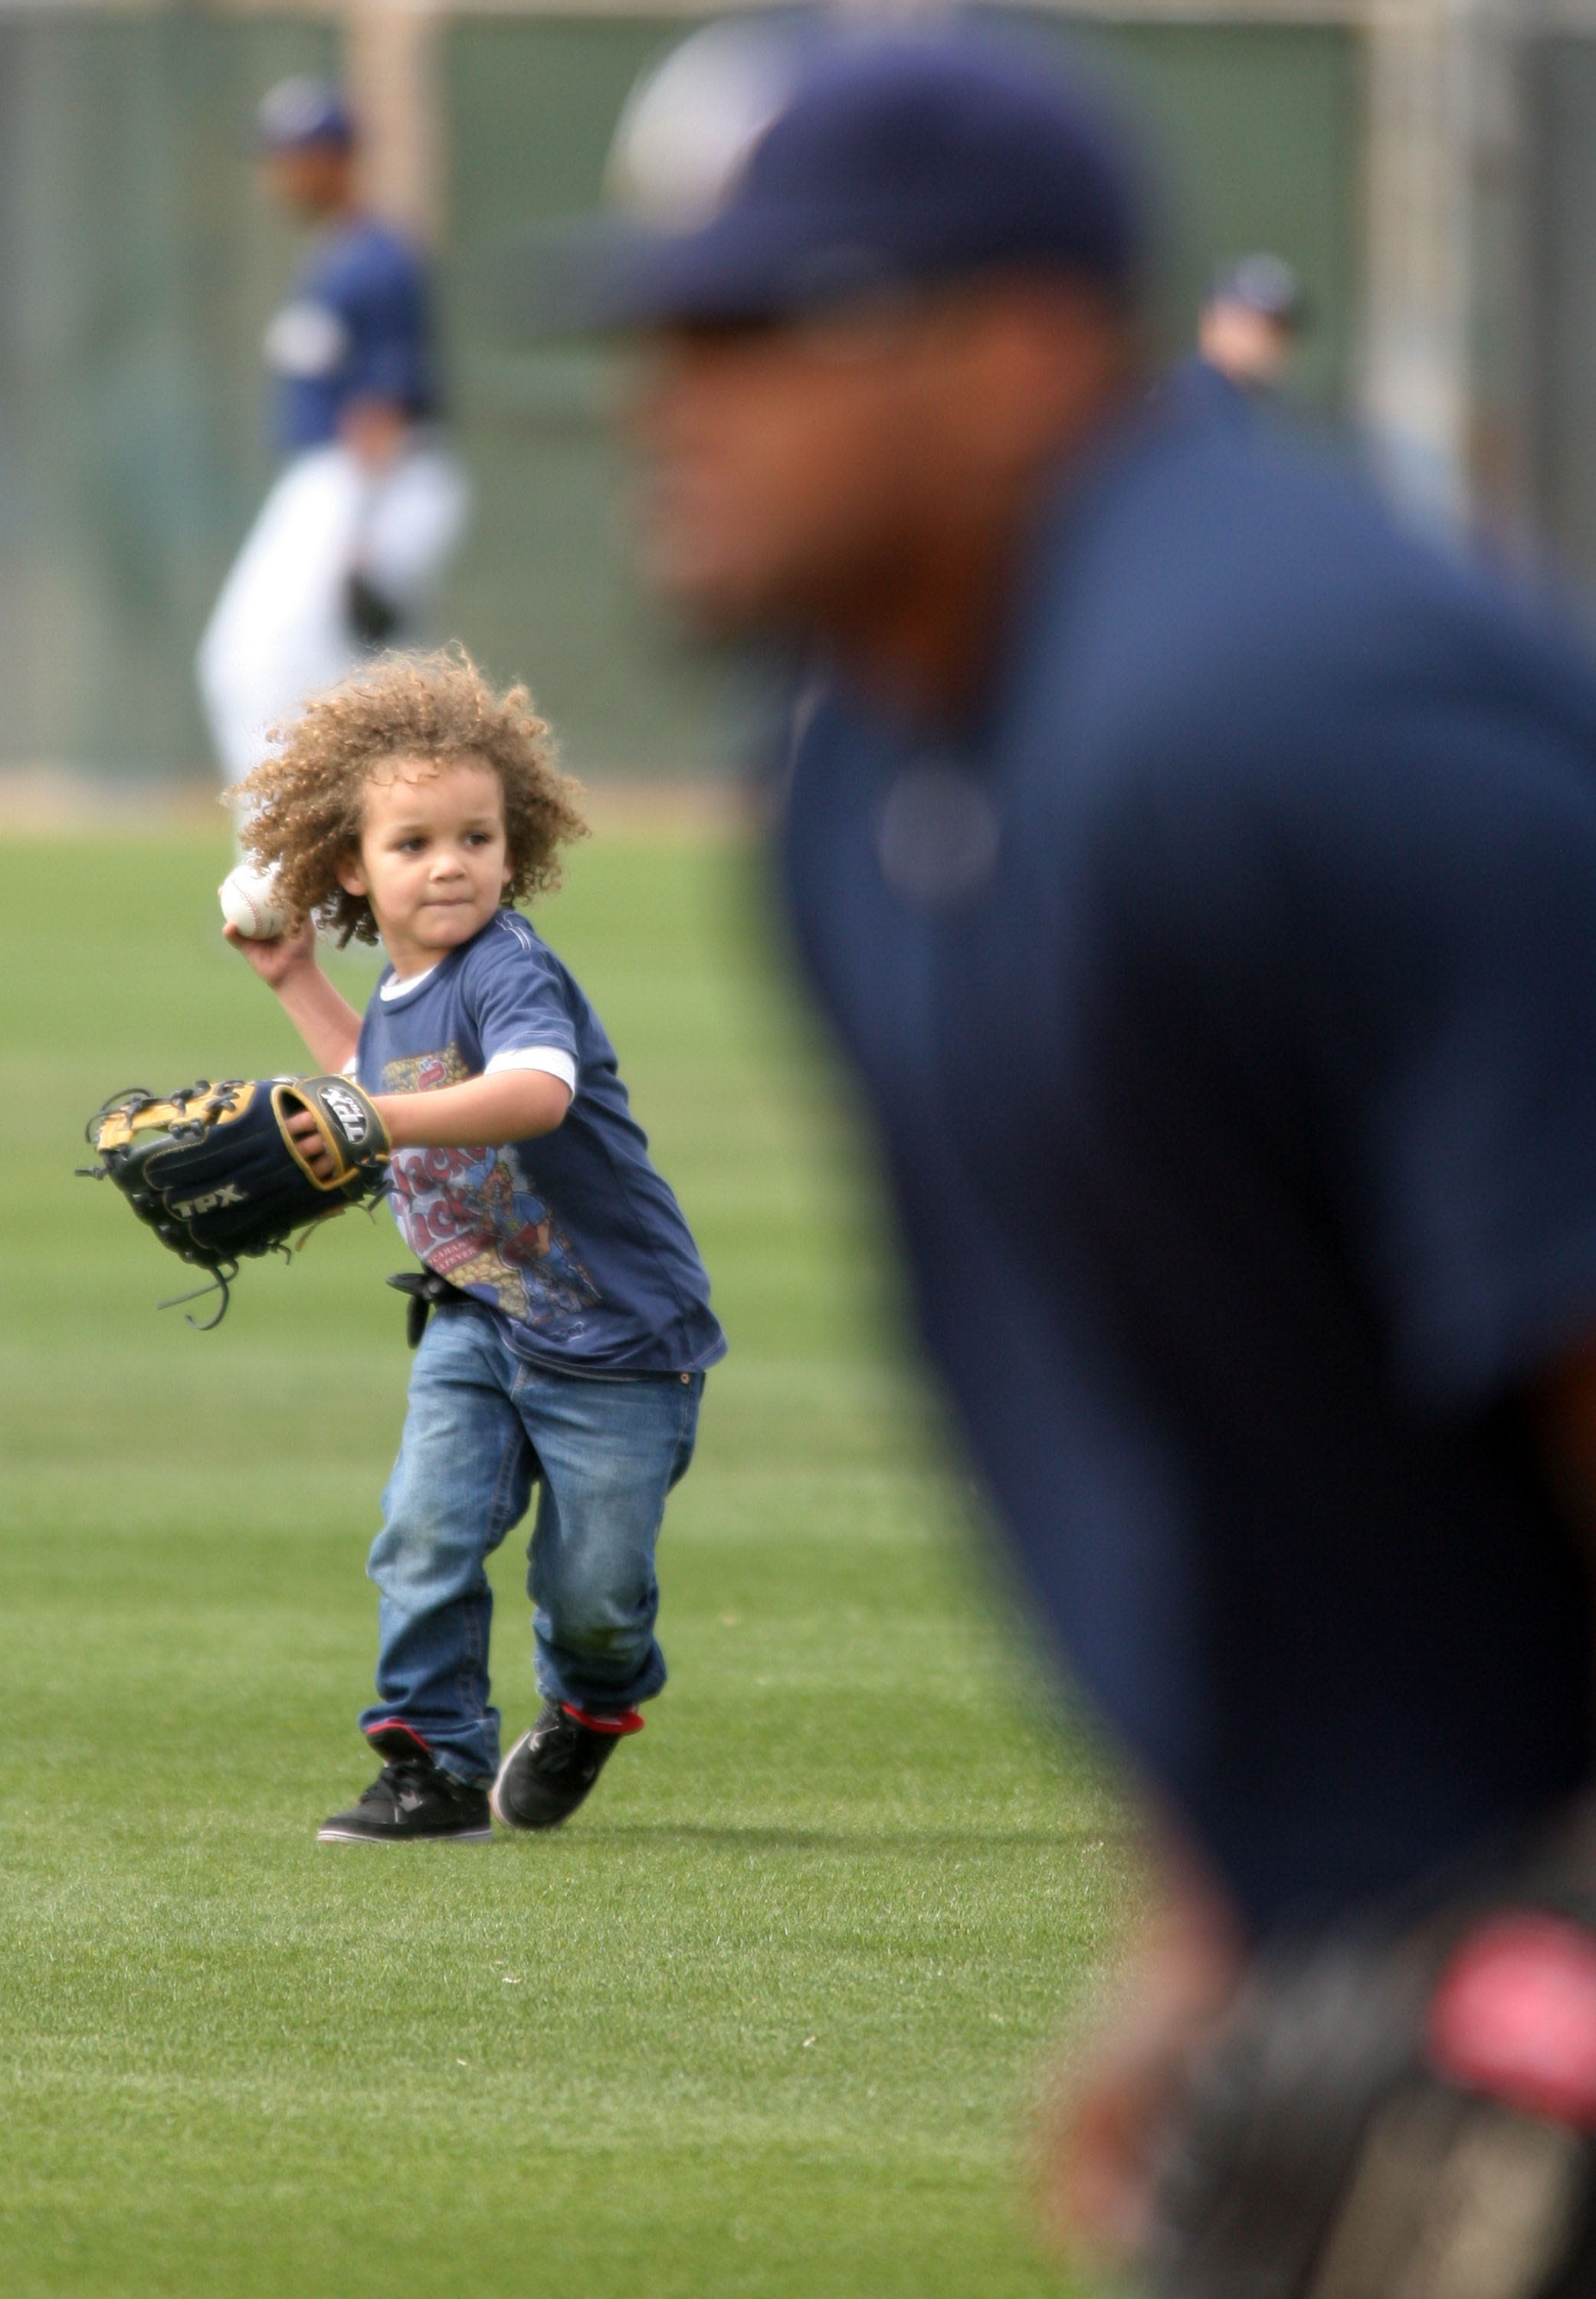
x=512, y=1106
x=325, y=1021
x=509, y=1106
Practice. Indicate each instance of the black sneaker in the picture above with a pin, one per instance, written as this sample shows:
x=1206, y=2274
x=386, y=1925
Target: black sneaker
x=411, y=1801
x=551, y=1768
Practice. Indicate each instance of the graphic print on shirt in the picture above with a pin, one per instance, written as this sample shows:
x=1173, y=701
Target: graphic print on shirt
x=477, y=1216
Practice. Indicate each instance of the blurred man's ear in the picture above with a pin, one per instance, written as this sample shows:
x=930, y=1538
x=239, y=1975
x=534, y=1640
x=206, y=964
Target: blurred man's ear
x=1039, y=362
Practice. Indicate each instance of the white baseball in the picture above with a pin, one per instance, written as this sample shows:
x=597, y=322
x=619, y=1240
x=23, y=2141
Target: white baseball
x=249, y=903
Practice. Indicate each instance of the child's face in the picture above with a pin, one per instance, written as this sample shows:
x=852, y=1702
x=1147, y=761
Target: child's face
x=432, y=856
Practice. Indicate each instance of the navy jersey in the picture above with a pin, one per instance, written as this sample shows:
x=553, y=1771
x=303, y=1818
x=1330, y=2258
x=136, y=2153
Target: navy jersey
x=357, y=325
x=571, y=1238
x=1227, y=995
x=1202, y=388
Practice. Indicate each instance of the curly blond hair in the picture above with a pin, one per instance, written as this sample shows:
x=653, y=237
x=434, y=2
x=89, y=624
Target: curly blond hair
x=305, y=803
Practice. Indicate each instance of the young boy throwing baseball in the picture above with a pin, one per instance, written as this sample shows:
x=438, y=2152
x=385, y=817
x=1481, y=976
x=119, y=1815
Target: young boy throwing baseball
x=572, y=1325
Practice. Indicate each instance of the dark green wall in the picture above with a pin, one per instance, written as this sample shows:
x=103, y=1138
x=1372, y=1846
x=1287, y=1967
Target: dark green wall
x=137, y=269
x=1258, y=132
x=1255, y=131
x=546, y=592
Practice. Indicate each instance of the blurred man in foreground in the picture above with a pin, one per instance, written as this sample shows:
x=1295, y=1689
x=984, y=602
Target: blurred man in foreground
x=369, y=506
x=1203, y=879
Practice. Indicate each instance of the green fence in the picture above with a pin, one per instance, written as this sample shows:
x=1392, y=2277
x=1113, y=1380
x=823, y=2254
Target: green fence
x=137, y=269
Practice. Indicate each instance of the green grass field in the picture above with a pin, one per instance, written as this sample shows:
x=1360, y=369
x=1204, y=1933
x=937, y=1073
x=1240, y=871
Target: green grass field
x=763, y=2020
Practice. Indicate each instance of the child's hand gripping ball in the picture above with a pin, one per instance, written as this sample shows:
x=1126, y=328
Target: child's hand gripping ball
x=250, y=905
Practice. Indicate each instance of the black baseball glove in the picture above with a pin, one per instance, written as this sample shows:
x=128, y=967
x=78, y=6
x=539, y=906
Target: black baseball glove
x=372, y=617
x=1404, y=2113
x=216, y=1174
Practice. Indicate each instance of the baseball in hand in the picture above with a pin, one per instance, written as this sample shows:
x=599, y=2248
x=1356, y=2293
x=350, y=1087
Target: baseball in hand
x=250, y=904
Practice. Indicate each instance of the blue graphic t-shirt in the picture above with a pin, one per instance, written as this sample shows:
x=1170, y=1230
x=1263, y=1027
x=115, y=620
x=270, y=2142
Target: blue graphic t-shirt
x=572, y=1237
x=357, y=326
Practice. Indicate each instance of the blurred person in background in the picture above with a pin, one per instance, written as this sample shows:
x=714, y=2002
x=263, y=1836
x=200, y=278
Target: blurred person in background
x=1251, y=325
x=1202, y=878
x=368, y=508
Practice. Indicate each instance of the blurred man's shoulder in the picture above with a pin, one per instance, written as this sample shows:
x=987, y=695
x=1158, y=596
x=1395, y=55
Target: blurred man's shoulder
x=1246, y=656
x=1241, y=583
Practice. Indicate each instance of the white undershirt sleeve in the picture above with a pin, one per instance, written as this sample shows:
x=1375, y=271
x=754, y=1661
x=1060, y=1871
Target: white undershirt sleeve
x=552, y=1060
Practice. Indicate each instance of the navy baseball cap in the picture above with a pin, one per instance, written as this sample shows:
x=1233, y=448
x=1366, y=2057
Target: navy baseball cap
x=302, y=111
x=1265, y=284
x=889, y=161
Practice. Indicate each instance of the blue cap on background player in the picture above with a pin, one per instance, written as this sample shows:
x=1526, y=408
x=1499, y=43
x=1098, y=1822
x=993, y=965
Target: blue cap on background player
x=887, y=162
x=302, y=110
x=1265, y=284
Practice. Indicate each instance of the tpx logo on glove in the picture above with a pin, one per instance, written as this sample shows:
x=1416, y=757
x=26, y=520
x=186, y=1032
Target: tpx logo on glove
x=229, y=1194
x=348, y=1110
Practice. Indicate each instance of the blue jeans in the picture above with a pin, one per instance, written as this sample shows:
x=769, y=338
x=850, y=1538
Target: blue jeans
x=483, y=1426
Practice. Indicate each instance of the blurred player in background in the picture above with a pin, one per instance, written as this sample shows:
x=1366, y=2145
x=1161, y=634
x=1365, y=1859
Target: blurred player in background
x=1203, y=879
x=354, y=539
x=1249, y=326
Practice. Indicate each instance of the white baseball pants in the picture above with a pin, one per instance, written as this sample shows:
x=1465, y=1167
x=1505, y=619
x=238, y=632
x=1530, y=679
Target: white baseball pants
x=278, y=630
